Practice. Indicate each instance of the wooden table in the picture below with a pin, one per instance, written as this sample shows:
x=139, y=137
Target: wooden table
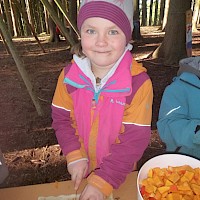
x=127, y=191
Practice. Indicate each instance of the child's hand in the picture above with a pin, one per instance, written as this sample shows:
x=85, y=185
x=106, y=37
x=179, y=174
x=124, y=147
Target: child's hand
x=78, y=171
x=91, y=193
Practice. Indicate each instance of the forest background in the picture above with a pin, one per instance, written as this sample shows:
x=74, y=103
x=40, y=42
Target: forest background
x=36, y=37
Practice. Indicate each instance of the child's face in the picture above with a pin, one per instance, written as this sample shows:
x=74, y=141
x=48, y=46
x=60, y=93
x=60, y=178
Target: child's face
x=102, y=41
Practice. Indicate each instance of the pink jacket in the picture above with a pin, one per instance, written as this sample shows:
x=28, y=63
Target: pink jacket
x=111, y=127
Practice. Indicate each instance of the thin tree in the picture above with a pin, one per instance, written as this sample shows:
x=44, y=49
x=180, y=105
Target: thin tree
x=195, y=15
x=150, y=13
x=166, y=11
x=173, y=47
x=156, y=13
x=14, y=18
x=8, y=16
x=136, y=35
x=54, y=34
x=162, y=8
x=144, y=12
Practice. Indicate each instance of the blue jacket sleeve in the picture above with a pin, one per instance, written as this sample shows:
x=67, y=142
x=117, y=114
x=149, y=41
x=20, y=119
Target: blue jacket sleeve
x=175, y=124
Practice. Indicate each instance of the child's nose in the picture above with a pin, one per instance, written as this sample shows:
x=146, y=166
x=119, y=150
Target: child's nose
x=101, y=40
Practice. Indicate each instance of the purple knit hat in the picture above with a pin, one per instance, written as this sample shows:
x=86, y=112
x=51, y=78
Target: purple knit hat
x=120, y=12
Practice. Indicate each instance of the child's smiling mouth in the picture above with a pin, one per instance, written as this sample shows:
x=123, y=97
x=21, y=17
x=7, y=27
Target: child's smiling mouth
x=103, y=52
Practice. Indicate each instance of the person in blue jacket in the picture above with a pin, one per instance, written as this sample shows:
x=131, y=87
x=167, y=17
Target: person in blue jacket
x=179, y=115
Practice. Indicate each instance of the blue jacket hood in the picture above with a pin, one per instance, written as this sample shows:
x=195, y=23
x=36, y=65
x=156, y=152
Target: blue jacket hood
x=191, y=65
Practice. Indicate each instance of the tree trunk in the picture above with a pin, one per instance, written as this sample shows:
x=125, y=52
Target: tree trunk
x=8, y=16
x=73, y=17
x=54, y=35
x=136, y=34
x=14, y=19
x=28, y=11
x=4, y=42
x=136, y=8
x=166, y=11
x=162, y=8
x=46, y=20
x=173, y=47
x=150, y=13
x=23, y=11
x=156, y=14
x=144, y=12
x=195, y=15
x=30, y=14
x=39, y=17
x=42, y=18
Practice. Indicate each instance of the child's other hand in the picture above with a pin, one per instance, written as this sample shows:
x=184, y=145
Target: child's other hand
x=78, y=171
x=91, y=193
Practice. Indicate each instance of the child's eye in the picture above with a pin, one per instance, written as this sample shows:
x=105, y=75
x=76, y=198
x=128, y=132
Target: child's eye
x=113, y=32
x=91, y=31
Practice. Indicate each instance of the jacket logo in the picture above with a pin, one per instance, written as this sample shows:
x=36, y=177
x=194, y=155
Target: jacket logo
x=117, y=102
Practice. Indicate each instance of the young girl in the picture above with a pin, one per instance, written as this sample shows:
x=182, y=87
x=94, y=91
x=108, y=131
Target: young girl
x=102, y=105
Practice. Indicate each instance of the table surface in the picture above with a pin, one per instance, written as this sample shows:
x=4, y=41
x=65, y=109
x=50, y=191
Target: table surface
x=127, y=191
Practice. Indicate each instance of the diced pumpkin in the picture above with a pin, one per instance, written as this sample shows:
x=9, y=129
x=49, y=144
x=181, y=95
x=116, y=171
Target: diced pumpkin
x=182, y=172
x=150, y=188
x=174, y=177
x=183, y=179
x=150, y=181
x=187, y=197
x=158, y=171
x=165, y=194
x=185, y=186
x=196, y=197
x=168, y=183
x=196, y=188
x=145, y=182
x=157, y=195
x=189, y=175
x=144, y=192
x=186, y=192
x=174, y=196
x=158, y=182
x=163, y=189
x=172, y=183
x=173, y=188
x=150, y=173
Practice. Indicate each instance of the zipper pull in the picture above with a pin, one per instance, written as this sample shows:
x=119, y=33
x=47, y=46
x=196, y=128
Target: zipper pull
x=93, y=104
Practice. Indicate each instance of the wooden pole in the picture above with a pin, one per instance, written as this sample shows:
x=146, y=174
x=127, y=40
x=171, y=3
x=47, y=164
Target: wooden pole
x=20, y=66
x=1, y=35
x=14, y=18
x=4, y=42
x=64, y=12
x=8, y=16
x=57, y=21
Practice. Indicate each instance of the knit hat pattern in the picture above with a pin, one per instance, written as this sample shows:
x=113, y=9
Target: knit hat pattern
x=120, y=12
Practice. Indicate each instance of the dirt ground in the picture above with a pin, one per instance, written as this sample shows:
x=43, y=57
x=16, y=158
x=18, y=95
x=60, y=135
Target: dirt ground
x=26, y=139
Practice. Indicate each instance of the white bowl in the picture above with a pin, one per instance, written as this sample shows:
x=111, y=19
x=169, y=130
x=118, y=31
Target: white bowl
x=164, y=161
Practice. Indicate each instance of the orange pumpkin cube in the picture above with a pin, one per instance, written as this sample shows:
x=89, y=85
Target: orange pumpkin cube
x=174, y=196
x=163, y=189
